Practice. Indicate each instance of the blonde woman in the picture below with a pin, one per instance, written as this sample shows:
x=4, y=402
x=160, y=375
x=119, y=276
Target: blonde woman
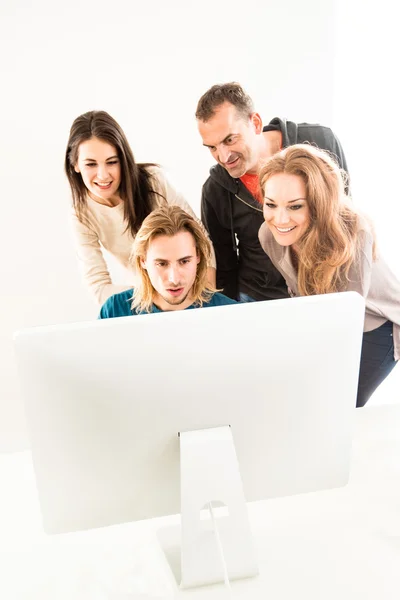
x=320, y=245
x=170, y=255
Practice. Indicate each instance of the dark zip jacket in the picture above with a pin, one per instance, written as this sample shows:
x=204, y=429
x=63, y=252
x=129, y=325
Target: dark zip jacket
x=232, y=217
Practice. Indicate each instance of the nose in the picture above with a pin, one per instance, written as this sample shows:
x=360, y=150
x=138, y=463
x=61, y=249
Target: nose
x=173, y=274
x=102, y=172
x=281, y=216
x=223, y=153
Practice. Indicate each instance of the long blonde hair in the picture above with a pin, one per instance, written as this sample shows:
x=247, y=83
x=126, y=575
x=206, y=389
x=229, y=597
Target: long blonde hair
x=330, y=245
x=169, y=221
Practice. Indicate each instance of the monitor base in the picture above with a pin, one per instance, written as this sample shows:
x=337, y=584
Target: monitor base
x=213, y=548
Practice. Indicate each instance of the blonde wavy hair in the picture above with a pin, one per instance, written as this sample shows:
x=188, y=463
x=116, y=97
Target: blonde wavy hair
x=330, y=245
x=169, y=221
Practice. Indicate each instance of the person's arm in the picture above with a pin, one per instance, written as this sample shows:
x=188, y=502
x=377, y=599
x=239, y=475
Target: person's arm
x=172, y=196
x=361, y=270
x=225, y=251
x=92, y=265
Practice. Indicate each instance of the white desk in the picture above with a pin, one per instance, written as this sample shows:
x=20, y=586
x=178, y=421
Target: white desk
x=342, y=543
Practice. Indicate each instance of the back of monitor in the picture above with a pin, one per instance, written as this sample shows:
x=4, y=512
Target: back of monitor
x=105, y=402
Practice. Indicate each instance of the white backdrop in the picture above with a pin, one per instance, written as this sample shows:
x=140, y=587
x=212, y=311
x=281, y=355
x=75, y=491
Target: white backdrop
x=366, y=118
x=146, y=64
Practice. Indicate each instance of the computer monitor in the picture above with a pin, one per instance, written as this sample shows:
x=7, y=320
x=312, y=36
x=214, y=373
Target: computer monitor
x=106, y=401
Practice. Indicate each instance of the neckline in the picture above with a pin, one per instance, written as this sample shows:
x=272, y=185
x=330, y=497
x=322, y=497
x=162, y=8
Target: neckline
x=103, y=207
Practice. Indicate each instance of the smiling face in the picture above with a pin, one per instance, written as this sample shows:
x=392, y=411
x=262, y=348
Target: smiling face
x=100, y=169
x=171, y=264
x=233, y=140
x=286, y=210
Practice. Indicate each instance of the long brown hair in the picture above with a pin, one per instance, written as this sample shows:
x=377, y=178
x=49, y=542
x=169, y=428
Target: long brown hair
x=330, y=245
x=136, y=181
x=169, y=220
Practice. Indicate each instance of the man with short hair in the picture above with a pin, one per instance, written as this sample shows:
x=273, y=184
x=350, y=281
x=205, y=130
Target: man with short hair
x=231, y=204
x=170, y=252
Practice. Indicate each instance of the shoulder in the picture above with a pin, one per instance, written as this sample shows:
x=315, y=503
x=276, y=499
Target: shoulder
x=218, y=188
x=212, y=190
x=220, y=299
x=158, y=179
x=162, y=184
x=365, y=233
x=299, y=132
x=155, y=171
x=86, y=221
x=321, y=136
x=364, y=224
x=209, y=183
x=219, y=178
x=211, y=193
x=314, y=127
x=314, y=132
x=118, y=305
x=157, y=176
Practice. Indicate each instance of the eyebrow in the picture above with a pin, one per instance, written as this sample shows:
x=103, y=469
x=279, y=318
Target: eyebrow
x=290, y=201
x=222, y=142
x=94, y=160
x=166, y=260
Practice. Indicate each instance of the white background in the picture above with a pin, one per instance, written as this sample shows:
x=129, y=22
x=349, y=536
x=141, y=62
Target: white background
x=147, y=64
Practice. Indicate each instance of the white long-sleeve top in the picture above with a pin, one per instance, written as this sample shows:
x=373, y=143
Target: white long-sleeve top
x=104, y=226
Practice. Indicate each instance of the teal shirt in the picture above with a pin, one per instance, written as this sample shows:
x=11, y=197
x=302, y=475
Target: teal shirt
x=119, y=305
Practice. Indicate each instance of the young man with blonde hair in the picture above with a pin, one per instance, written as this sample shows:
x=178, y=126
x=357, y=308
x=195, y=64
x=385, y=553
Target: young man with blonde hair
x=170, y=254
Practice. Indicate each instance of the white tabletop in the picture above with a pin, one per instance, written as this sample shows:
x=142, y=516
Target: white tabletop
x=342, y=543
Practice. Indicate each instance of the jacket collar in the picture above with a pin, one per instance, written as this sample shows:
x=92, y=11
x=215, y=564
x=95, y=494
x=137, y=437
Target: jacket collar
x=234, y=186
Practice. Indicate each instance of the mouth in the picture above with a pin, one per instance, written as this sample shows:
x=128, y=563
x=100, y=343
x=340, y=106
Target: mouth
x=285, y=229
x=175, y=291
x=232, y=163
x=103, y=186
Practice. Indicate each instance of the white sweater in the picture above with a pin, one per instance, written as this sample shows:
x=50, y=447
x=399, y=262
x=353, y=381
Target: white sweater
x=105, y=227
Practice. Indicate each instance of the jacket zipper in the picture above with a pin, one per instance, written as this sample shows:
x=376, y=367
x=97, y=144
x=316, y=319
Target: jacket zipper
x=247, y=204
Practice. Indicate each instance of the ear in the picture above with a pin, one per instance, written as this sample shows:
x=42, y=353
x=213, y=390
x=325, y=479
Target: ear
x=197, y=257
x=76, y=169
x=257, y=122
x=143, y=264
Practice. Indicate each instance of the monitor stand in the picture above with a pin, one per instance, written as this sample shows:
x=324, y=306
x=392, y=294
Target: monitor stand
x=214, y=549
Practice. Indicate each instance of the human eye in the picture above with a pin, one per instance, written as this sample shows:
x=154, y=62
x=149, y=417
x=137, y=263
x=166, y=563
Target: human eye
x=161, y=263
x=185, y=261
x=91, y=164
x=113, y=162
x=296, y=206
x=269, y=205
